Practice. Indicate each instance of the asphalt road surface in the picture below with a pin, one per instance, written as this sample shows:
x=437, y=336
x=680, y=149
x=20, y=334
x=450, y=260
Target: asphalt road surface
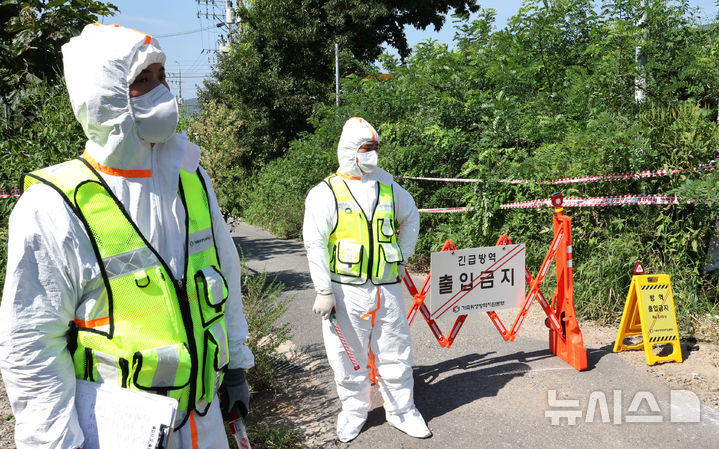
x=485, y=392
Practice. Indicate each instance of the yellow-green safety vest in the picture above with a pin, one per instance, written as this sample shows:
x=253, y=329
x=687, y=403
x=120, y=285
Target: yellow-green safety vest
x=147, y=331
x=360, y=249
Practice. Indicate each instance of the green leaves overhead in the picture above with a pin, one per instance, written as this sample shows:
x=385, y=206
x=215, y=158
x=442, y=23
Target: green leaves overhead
x=31, y=34
x=281, y=64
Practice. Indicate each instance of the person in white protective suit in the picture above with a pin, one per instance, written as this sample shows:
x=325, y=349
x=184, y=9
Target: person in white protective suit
x=359, y=227
x=61, y=272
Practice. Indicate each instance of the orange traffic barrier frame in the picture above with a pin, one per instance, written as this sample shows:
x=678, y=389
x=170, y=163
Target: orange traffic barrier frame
x=565, y=337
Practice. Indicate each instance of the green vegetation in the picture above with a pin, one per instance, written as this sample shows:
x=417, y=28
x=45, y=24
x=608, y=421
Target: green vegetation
x=263, y=309
x=31, y=34
x=37, y=126
x=48, y=135
x=550, y=96
x=265, y=436
x=281, y=63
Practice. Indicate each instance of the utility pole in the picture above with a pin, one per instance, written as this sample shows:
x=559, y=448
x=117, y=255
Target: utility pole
x=179, y=69
x=229, y=16
x=337, y=73
x=640, y=57
x=230, y=21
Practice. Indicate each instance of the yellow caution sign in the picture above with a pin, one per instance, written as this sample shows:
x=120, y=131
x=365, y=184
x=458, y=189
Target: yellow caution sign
x=649, y=312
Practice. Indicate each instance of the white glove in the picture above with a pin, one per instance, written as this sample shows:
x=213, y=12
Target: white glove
x=324, y=302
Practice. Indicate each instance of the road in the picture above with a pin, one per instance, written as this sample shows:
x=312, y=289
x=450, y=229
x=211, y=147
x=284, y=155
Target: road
x=485, y=392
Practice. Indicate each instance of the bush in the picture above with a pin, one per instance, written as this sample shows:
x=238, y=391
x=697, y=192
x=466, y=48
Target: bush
x=215, y=130
x=46, y=134
x=276, y=198
x=265, y=436
x=263, y=307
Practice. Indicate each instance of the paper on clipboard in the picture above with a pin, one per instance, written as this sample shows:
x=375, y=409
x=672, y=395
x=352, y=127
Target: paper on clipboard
x=118, y=418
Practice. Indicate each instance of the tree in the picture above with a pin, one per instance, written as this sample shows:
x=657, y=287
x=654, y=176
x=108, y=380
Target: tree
x=31, y=35
x=281, y=63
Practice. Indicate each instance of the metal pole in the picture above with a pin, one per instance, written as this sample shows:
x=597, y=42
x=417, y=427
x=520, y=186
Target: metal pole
x=179, y=69
x=640, y=57
x=229, y=20
x=337, y=73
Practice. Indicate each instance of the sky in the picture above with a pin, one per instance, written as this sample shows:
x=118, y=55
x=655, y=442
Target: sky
x=188, y=34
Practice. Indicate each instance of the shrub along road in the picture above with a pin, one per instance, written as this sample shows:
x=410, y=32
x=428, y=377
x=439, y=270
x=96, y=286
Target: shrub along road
x=485, y=392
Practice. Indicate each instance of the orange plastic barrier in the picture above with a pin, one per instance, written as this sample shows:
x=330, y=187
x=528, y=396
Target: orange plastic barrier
x=565, y=337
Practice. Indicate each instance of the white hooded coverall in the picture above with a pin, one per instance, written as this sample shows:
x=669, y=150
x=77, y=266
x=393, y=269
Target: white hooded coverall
x=389, y=339
x=52, y=274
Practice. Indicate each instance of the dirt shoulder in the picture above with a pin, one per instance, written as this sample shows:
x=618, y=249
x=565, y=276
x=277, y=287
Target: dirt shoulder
x=698, y=371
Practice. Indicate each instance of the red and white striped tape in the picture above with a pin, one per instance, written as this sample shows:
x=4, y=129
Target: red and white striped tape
x=614, y=200
x=446, y=210
x=599, y=201
x=636, y=175
x=508, y=181
x=15, y=193
x=421, y=178
x=585, y=179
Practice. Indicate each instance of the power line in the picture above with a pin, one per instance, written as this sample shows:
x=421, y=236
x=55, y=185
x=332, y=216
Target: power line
x=195, y=76
x=182, y=33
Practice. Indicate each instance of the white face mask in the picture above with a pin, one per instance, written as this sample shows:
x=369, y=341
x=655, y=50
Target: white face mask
x=367, y=162
x=156, y=114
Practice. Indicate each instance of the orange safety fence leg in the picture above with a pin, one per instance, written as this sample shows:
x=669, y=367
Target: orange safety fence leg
x=417, y=296
x=569, y=343
x=409, y=282
x=449, y=339
x=494, y=318
x=551, y=320
x=536, y=283
x=433, y=325
x=418, y=304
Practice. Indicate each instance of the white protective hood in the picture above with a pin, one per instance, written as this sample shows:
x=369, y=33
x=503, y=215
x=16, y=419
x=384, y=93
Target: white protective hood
x=99, y=67
x=355, y=132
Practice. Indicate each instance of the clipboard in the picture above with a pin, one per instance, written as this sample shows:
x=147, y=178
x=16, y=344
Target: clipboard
x=118, y=418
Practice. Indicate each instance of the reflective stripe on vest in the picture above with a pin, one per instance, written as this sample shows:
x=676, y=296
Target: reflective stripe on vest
x=147, y=330
x=357, y=246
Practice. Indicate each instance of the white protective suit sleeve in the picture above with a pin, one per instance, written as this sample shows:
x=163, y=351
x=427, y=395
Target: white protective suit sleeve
x=320, y=219
x=50, y=261
x=407, y=216
x=240, y=354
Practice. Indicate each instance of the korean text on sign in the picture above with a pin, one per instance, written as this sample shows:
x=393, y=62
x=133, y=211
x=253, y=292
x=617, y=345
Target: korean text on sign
x=477, y=280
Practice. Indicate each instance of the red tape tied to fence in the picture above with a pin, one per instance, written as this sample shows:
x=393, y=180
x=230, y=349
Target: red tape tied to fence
x=615, y=200
x=711, y=166
x=446, y=210
x=14, y=193
x=599, y=201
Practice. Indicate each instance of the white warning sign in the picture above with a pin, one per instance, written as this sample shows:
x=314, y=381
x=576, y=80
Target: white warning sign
x=477, y=280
